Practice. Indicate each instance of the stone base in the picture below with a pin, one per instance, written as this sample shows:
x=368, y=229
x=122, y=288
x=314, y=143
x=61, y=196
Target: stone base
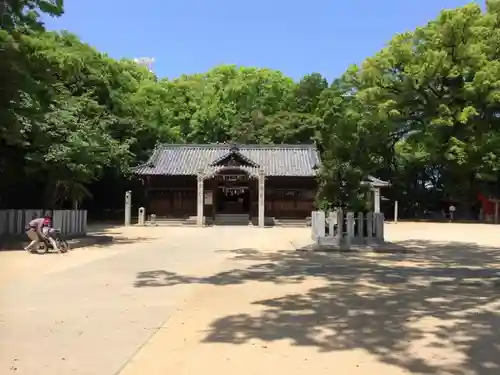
x=376, y=247
x=343, y=241
x=356, y=244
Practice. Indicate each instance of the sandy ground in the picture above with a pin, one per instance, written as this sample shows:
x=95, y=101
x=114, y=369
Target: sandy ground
x=16, y=265
x=241, y=300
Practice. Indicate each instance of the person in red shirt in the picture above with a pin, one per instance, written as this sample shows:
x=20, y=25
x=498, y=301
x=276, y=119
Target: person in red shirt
x=39, y=230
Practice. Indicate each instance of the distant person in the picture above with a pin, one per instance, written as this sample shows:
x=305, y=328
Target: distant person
x=452, y=210
x=39, y=231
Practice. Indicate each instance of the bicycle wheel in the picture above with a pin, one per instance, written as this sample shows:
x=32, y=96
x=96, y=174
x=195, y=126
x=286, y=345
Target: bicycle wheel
x=41, y=248
x=63, y=246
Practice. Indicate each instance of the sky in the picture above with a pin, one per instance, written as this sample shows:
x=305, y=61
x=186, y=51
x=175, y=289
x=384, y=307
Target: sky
x=295, y=37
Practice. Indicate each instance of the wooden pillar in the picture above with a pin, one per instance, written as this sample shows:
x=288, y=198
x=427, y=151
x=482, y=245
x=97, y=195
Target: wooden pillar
x=262, y=207
x=146, y=191
x=496, y=211
x=200, y=200
x=254, y=195
x=214, y=197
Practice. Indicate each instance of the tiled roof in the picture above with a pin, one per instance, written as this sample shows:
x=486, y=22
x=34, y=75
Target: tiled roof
x=275, y=160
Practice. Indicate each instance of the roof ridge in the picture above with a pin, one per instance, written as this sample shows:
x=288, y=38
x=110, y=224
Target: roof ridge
x=242, y=145
x=275, y=159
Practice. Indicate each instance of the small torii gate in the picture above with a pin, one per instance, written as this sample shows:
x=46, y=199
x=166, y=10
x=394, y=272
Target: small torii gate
x=375, y=185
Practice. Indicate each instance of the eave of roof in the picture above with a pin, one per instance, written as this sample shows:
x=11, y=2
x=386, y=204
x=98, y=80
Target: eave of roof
x=376, y=182
x=281, y=159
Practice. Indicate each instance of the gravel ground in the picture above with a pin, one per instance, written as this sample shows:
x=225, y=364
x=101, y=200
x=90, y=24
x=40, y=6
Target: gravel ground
x=240, y=300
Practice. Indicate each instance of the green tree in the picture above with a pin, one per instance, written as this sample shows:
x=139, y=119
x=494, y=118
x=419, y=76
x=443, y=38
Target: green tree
x=437, y=88
x=25, y=14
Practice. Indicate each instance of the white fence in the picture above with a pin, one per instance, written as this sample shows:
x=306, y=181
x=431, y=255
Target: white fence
x=70, y=222
x=339, y=229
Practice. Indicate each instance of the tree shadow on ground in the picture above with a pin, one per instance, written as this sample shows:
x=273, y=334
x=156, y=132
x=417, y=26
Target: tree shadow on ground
x=102, y=241
x=434, y=310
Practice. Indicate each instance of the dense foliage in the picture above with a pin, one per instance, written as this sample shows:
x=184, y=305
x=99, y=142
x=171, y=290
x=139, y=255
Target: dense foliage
x=423, y=113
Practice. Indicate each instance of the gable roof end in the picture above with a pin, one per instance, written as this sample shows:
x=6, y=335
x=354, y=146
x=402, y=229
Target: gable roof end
x=238, y=154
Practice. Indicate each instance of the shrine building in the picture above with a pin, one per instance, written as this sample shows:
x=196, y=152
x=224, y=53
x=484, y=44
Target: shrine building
x=230, y=183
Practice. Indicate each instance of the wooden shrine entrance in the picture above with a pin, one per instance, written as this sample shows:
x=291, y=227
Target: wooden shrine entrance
x=232, y=192
x=232, y=200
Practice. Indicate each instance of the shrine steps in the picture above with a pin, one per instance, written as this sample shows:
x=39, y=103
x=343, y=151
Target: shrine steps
x=232, y=219
x=175, y=222
x=292, y=223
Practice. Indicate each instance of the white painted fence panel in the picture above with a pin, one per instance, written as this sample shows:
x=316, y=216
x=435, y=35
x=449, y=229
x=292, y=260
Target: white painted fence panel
x=345, y=230
x=70, y=222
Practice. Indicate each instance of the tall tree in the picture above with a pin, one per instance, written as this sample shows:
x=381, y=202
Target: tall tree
x=437, y=88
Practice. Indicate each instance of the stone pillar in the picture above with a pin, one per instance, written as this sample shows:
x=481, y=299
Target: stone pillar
x=262, y=185
x=320, y=224
x=313, y=226
x=128, y=208
x=340, y=224
x=376, y=200
x=379, y=228
x=141, y=216
x=360, y=235
x=200, y=200
x=369, y=227
x=84, y=219
x=395, y=212
x=350, y=229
